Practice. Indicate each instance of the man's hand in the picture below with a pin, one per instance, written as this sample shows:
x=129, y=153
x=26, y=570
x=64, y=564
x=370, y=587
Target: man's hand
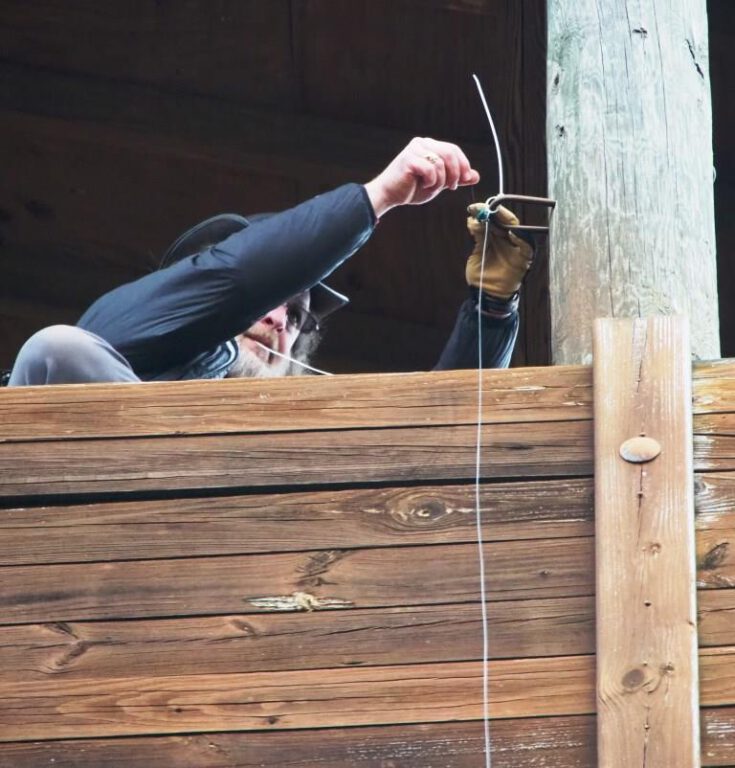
x=507, y=256
x=419, y=173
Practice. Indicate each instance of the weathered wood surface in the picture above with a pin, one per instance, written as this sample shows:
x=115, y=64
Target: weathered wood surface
x=288, y=641
x=298, y=699
x=317, y=698
x=118, y=611
x=647, y=683
x=560, y=742
x=517, y=436
x=248, y=642
x=287, y=459
x=628, y=97
x=298, y=521
x=257, y=523
x=333, y=578
x=517, y=395
x=338, y=457
x=349, y=401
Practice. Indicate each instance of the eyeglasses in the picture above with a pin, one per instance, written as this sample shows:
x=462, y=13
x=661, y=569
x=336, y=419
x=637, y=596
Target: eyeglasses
x=300, y=319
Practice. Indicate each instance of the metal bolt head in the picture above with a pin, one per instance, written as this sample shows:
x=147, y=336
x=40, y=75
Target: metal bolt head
x=639, y=450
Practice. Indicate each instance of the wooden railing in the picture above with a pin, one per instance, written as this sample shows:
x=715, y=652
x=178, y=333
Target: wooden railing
x=229, y=573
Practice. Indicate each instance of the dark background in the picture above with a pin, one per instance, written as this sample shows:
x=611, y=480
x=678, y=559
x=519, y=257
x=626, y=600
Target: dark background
x=123, y=123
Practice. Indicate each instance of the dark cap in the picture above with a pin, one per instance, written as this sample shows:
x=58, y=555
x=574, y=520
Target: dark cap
x=324, y=300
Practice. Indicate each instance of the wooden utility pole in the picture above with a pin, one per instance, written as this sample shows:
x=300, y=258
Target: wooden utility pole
x=630, y=162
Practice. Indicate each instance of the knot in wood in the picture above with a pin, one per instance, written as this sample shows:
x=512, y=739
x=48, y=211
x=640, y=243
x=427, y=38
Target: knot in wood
x=639, y=450
x=427, y=512
x=633, y=679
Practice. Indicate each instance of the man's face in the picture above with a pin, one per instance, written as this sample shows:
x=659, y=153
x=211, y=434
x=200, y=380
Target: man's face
x=275, y=332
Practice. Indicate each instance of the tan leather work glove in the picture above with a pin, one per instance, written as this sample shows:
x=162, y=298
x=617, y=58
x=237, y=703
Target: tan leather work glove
x=507, y=257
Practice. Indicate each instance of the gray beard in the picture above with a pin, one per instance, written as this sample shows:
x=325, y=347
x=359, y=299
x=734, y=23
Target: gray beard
x=250, y=366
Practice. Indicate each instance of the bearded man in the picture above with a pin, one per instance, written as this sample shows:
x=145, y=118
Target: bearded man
x=245, y=297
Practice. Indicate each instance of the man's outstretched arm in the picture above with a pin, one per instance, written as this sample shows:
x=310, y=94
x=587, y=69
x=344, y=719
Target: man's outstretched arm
x=170, y=316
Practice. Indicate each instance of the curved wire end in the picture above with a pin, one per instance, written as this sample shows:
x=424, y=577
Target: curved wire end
x=496, y=140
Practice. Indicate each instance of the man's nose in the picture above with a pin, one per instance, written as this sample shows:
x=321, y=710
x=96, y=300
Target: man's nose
x=277, y=318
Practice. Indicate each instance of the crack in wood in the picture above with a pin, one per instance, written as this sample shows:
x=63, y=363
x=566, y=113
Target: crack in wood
x=693, y=54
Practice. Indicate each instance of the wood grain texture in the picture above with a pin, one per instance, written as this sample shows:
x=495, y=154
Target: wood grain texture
x=349, y=519
x=559, y=742
x=628, y=95
x=316, y=698
x=257, y=642
x=257, y=523
x=287, y=404
x=647, y=684
x=288, y=641
x=289, y=459
x=335, y=579
x=409, y=399
x=287, y=700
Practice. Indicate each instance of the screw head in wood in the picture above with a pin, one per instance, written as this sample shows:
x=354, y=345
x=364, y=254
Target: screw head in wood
x=638, y=450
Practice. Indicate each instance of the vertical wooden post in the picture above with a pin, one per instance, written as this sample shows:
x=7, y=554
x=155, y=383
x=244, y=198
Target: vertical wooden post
x=647, y=680
x=628, y=133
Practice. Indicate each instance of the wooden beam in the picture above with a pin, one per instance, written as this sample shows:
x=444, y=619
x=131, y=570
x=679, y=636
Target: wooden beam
x=339, y=402
x=558, y=742
x=557, y=393
x=647, y=679
x=320, y=698
x=331, y=579
x=288, y=459
x=104, y=650
x=630, y=161
x=273, y=701
x=283, y=522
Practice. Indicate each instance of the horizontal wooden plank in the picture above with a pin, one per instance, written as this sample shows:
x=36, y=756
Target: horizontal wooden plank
x=286, y=700
x=329, y=579
x=549, y=742
x=338, y=402
x=713, y=386
x=715, y=531
x=298, y=521
x=347, y=401
x=715, y=453
x=259, y=643
x=716, y=617
x=320, y=698
x=718, y=736
x=344, y=575
x=714, y=442
x=283, y=459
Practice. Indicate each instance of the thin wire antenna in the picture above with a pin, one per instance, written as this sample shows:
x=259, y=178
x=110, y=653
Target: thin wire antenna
x=495, y=134
x=478, y=455
x=478, y=522
x=293, y=360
